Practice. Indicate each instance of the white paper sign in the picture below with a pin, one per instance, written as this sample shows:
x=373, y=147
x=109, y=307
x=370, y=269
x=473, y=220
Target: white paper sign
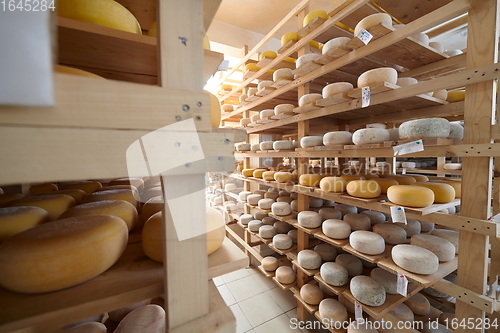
x=358, y=312
x=408, y=148
x=365, y=97
x=398, y=214
x=404, y=171
x=364, y=36
x=402, y=285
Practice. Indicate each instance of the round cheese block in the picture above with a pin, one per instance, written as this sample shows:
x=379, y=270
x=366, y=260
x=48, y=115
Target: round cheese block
x=43, y=188
x=309, y=98
x=346, y=209
x=283, y=145
x=334, y=274
x=257, y=173
x=415, y=259
x=402, y=179
x=229, y=187
x=282, y=242
x=374, y=216
x=306, y=59
x=333, y=184
x=14, y=220
x=281, y=208
x=146, y=319
x=418, y=304
x=266, y=113
x=326, y=251
x=270, y=195
x=311, y=294
x=443, y=249
x=337, y=138
x=294, y=205
x=136, y=182
x=411, y=196
x=391, y=233
x=334, y=44
x=285, y=275
x=283, y=74
x=266, y=145
x=456, y=131
x=244, y=122
x=373, y=20
x=450, y=235
x=263, y=84
x=406, y=81
x=376, y=76
x=309, y=179
x=329, y=213
x=242, y=97
x=270, y=264
x=452, y=166
x=440, y=94
x=309, y=259
x=403, y=313
x=268, y=220
x=218, y=200
x=255, y=147
x=146, y=195
x=409, y=165
x=427, y=128
x=412, y=227
x=265, y=203
x=336, y=88
x=311, y=141
x=386, y=279
x=283, y=108
x=455, y=184
x=437, y=46
x=367, y=291
x=252, y=91
x=283, y=177
x=443, y=193
x=254, y=225
x=363, y=189
x=358, y=221
x=291, y=35
x=243, y=147
x=282, y=227
x=227, y=107
x=309, y=219
x=370, y=135
x=247, y=172
x=119, y=208
x=8, y=197
x=455, y=96
x=426, y=226
x=54, y=204
x=267, y=231
x=367, y=242
x=151, y=207
x=332, y=311
x=311, y=16
x=419, y=178
x=68, y=247
x=293, y=234
x=284, y=199
x=245, y=218
x=268, y=54
x=254, y=118
x=253, y=199
x=243, y=195
x=353, y=264
x=336, y=229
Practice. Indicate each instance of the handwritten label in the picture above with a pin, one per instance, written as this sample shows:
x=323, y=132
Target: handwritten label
x=398, y=214
x=183, y=40
x=402, y=285
x=358, y=312
x=364, y=36
x=365, y=97
x=408, y=148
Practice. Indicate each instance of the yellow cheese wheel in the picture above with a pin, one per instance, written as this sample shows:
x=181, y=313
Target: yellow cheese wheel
x=54, y=204
x=268, y=54
x=118, y=187
x=257, y=173
x=62, y=253
x=138, y=183
x=333, y=184
x=107, y=13
x=42, y=188
x=215, y=110
x=283, y=177
x=289, y=59
x=443, y=193
x=411, y=196
x=14, y=220
x=420, y=178
x=75, y=71
x=8, y=197
x=315, y=44
x=119, y=208
x=385, y=183
x=252, y=67
x=363, y=189
x=292, y=35
x=151, y=207
x=268, y=175
x=88, y=186
x=455, y=184
x=309, y=179
x=312, y=15
x=247, y=172
x=455, y=96
x=76, y=194
x=127, y=195
x=402, y=180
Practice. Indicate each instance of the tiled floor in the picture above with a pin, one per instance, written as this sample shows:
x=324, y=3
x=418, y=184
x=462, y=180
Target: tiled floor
x=257, y=303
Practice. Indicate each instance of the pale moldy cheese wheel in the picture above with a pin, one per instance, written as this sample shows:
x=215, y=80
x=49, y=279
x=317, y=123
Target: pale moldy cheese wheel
x=309, y=98
x=244, y=194
x=270, y=264
x=353, y=264
x=374, y=216
x=244, y=122
x=255, y=147
x=327, y=252
x=334, y=274
x=329, y=213
x=281, y=208
x=450, y=235
x=265, y=204
x=282, y=242
x=266, y=113
x=427, y=128
x=266, y=145
x=307, y=59
x=260, y=215
x=263, y=84
x=376, y=76
x=392, y=234
x=243, y=147
x=403, y=313
x=415, y=259
x=309, y=259
x=254, y=225
x=336, y=88
x=283, y=145
x=337, y=138
x=285, y=275
x=253, y=199
x=386, y=279
x=311, y=294
x=332, y=310
x=419, y=304
x=335, y=43
x=426, y=226
x=358, y=221
x=311, y=141
x=373, y=20
x=283, y=108
x=54, y=204
x=367, y=291
x=346, y=209
x=14, y=220
x=456, y=131
x=370, y=135
x=443, y=249
x=412, y=227
x=367, y=242
x=267, y=231
x=283, y=74
x=336, y=229
x=309, y=219
x=411, y=196
x=284, y=199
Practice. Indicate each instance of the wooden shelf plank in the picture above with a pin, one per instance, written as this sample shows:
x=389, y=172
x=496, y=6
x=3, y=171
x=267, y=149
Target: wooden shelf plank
x=309, y=307
x=226, y=259
x=282, y=252
x=337, y=290
x=267, y=274
x=284, y=286
x=369, y=258
x=282, y=64
x=335, y=242
x=308, y=272
x=426, y=210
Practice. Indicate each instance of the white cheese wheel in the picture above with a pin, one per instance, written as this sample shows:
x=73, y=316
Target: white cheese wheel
x=329, y=213
x=337, y=138
x=386, y=279
x=336, y=229
x=332, y=311
x=266, y=113
x=282, y=241
x=335, y=43
x=270, y=264
x=242, y=97
x=252, y=91
x=346, y=209
x=243, y=147
x=282, y=227
x=285, y=275
x=450, y=235
x=281, y=208
x=443, y=193
x=311, y=141
x=333, y=184
x=283, y=145
x=266, y=145
x=452, y=166
x=283, y=108
x=367, y=242
x=406, y=81
x=307, y=58
x=362, y=188
x=309, y=219
x=367, y=291
x=254, y=118
x=293, y=234
x=265, y=203
x=391, y=233
x=309, y=98
x=443, y=249
x=376, y=76
x=415, y=259
x=268, y=220
x=353, y=264
x=254, y=225
x=229, y=187
x=412, y=227
x=403, y=313
x=69, y=247
x=370, y=135
x=426, y=226
x=227, y=107
x=427, y=128
x=315, y=202
x=283, y=74
x=263, y=84
x=334, y=274
x=54, y=204
x=336, y=88
x=441, y=94
x=284, y=199
x=393, y=134
x=267, y=231
x=311, y=294
x=409, y=195
x=146, y=319
x=419, y=304
x=14, y=220
x=218, y=201
x=326, y=251
x=373, y=20
x=253, y=199
x=358, y=221
x=255, y=147
x=374, y=216
x=243, y=195
x=309, y=259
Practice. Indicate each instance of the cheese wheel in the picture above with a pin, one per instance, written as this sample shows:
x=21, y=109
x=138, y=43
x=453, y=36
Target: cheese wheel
x=309, y=179
x=333, y=184
x=247, y=172
x=270, y=195
x=409, y=165
x=353, y=264
x=266, y=145
x=367, y=291
x=456, y=131
x=151, y=207
x=334, y=44
x=266, y=113
x=265, y=204
x=443, y=249
x=293, y=234
x=281, y=227
x=427, y=128
x=403, y=313
x=452, y=166
x=332, y=311
x=227, y=107
x=411, y=196
x=283, y=177
x=267, y=220
x=334, y=274
x=62, y=246
x=452, y=53
x=126, y=195
x=326, y=251
x=457, y=186
x=134, y=181
x=311, y=16
x=309, y=259
x=151, y=193
x=292, y=35
x=43, y=188
x=406, y=81
x=281, y=208
x=370, y=135
x=270, y=264
x=440, y=94
x=391, y=233
x=367, y=242
x=242, y=97
x=443, y=193
x=375, y=217
x=346, y=209
x=285, y=275
x=419, y=178
x=87, y=186
x=309, y=219
x=358, y=221
x=283, y=108
x=282, y=242
x=8, y=197
x=119, y=208
x=254, y=118
x=311, y=141
x=263, y=84
x=336, y=228
x=377, y=76
x=243, y=146
x=418, y=304
x=54, y=204
x=450, y=235
x=254, y=225
x=311, y=294
x=257, y=173
x=337, y=138
x=330, y=213
x=393, y=134
x=336, y=88
x=402, y=179
x=245, y=218
x=145, y=319
x=386, y=279
x=309, y=98
x=253, y=199
x=415, y=259
x=283, y=145
x=283, y=74
x=455, y=96
x=363, y=189
x=244, y=122
x=307, y=59
x=243, y=195
x=373, y=20
x=14, y=220
x=255, y=147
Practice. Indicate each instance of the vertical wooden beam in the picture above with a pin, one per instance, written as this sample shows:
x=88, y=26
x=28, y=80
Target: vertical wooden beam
x=482, y=49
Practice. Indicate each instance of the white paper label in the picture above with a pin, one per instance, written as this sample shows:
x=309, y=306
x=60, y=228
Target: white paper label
x=358, y=312
x=408, y=148
x=404, y=171
x=365, y=97
x=398, y=214
x=402, y=286
x=364, y=36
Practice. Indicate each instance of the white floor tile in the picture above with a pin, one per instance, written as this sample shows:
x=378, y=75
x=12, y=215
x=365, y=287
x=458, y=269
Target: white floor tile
x=236, y=275
x=242, y=323
x=260, y=308
x=266, y=283
x=218, y=281
x=226, y=295
x=292, y=313
x=284, y=298
x=253, y=270
x=251, y=331
x=279, y=324
x=245, y=288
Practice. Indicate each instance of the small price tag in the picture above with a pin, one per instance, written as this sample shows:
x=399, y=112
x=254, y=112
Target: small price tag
x=404, y=171
x=398, y=214
x=358, y=312
x=402, y=286
x=365, y=97
x=408, y=148
x=364, y=36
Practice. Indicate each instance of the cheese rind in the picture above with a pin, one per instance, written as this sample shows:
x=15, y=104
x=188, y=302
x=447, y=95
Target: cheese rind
x=282, y=241
x=411, y=196
x=337, y=138
x=353, y=264
x=270, y=264
x=367, y=242
x=391, y=233
x=14, y=220
x=376, y=76
x=415, y=259
x=311, y=141
x=309, y=219
x=285, y=275
x=336, y=229
x=309, y=179
x=364, y=189
x=334, y=274
x=367, y=291
x=370, y=135
x=309, y=259
x=146, y=319
x=283, y=145
x=443, y=193
x=311, y=294
x=281, y=208
x=427, y=128
x=54, y=204
x=443, y=249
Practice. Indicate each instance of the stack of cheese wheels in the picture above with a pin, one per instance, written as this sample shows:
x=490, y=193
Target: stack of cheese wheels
x=427, y=128
x=54, y=204
x=283, y=74
x=336, y=88
x=367, y=291
x=337, y=138
x=309, y=99
x=376, y=76
x=415, y=259
x=443, y=249
x=309, y=179
x=370, y=135
x=311, y=141
x=333, y=184
x=443, y=193
x=373, y=20
x=14, y=220
x=363, y=189
x=283, y=145
x=334, y=44
x=411, y=196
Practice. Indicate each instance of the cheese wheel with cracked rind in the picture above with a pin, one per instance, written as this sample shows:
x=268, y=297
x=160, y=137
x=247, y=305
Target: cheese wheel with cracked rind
x=411, y=196
x=443, y=249
x=309, y=219
x=415, y=259
x=367, y=242
x=443, y=193
x=54, y=204
x=336, y=229
x=281, y=208
x=391, y=233
x=285, y=275
x=386, y=279
x=334, y=274
x=309, y=259
x=427, y=128
x=14, y=220
x=283, y=145
x=353, y=264
x=326, y=251
x=370, y=135
x=367, y=291
x=282, y=241
x=311, y=294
